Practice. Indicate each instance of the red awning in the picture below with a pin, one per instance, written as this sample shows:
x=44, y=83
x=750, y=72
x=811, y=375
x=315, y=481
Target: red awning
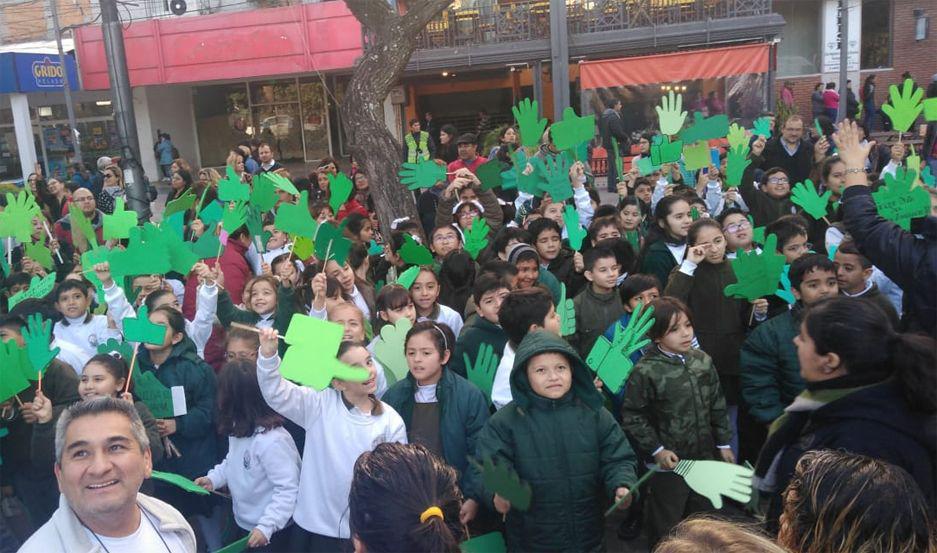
x=676, y=66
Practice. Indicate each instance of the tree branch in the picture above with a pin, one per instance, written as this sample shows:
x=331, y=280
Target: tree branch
x=373, y=14
x=419, y=14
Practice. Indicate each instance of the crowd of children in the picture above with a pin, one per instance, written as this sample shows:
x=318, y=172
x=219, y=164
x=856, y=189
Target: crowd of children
x=497, y=371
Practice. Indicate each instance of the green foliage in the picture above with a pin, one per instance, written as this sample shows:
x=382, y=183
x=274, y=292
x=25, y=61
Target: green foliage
x=899, y=200
x=757, y=274
x=531, y=125
x=805, y=195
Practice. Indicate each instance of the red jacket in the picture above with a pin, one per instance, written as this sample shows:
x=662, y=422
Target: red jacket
x=236, y=272
x=459, y=164
x=351, y=206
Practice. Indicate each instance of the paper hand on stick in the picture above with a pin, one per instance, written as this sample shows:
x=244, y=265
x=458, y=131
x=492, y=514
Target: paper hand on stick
x=311, y=358
x=805, y=195
x=118, y=224
x=389, y=349
x=476, y=237
x=482, y=372
x=612, y=360
x=180, y=481
x=904, y=105
x=340, y=187
x=424, y=174
x=899, y=200
x=38, y=336
x=413, y=253
x=230, y=188
x=714, y=479
x=140, y=329
x=757, y=274
x=670, y=113
x=572, y=130
x=557, y=182
x=574, y=229
x=531, y=125
x=501, y=479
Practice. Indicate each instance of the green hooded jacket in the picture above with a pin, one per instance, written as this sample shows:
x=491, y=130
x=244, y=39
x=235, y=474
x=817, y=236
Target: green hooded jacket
x=770, y=369
x=570, y=450
x=477, y=331
x=676, y=404
x=463, y=411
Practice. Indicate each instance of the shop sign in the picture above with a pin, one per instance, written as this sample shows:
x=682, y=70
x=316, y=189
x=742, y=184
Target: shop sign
x=43, y=72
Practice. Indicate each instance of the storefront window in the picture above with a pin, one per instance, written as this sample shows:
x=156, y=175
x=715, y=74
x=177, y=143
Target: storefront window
x=876, y=34
x=223, y=119
x=315, y=120
x=799, y=51
x=278, y=125
x=9, y=154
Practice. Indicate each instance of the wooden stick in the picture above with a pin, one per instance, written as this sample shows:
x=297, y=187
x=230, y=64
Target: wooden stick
x=752, y=316
x=133, y=360
x=10, y=252
x=220, y=247
x=827, y=221
x=249, y=328
x=18, y=400
x=45, y=225
x=39, y=384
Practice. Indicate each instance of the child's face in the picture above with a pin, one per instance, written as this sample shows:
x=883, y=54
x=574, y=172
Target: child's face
x=629, y=217
x=424, y=359
x=408, y=311
x=850, y=276
x=286, y=271
x=701, y=209
x=147, y=284
x=358, y=357
x=425, y=291
x=554, y=211
x=550, y=375
x=167, y=299
x=527, y=273
x=837, y=178
x=713, y=243
x=818, y=284
x=604, y=274
x=608, y=232
x=795, y=247
x=738, y=232
x=263, y=298
x=467, y=213
x=551, y=322
x=548, y=245
x=366, y=233
x=490, y=304
x=342, y=273
x=277, y=239
x=678, y=221
x=240, y=349
x=679, y=337
x=644, y=192
x=350, y=319
x=73, y=303
x=444, y=241
x=778, y=185
x=643, y=298
x=96, y=381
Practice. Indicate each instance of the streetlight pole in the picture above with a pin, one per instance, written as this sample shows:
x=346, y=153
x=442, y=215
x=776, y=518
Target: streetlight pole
x=66, y=85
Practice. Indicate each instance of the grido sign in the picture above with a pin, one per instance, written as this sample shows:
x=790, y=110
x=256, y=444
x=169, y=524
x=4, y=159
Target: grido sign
x=41, y=73
x=48, y=74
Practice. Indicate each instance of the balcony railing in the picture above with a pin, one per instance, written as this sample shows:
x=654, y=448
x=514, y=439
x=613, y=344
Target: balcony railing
x=505, y=22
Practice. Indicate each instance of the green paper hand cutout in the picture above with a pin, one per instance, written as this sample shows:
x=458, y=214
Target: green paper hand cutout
x=482, y=372
x=619, y=164
x=646, y=166
x=82, y=225
x=930, y=109
x=528, y=183
x=557, y=182
x=714, y=479
x=758, y=233
x=38, y=289
x=492, y=542
x=531, y=125
x=476, y=237
x=572, y=130
x=501, y=479
x=408, y=277
x=737, y=136
x=331, y=245
x=913, y=163
x=413, y=253
x=17, y=219
x=340, y=187
x=489, y=173
x=40, y=254
x=706, y=128
x=13, y=371
x=140, y=329
x=230, y=188
x=805, y=195
x=180, y=481
x=736, y=162
x=670, y=113
x=374, y=248
x=124, y=349
x=785, y=292
x=574, y=229
x=264, y=193
x=234, y=216
x=567, y=312
x=899, y=200
x=904, y=106
x=694, y=214
x=38, y=336
x=211, y=213
x=206, y=246
x=303, y=247
x=612, y=360
x=153, y=393
x=664, y=151
x=762, y=127
x=117, y=225
x=424, y=174
x=295, y=218
x=235, y=547
x=150, y=256
x=696, y=155
x=312, y=338
x=757, y=274
x=255, y=227
x=179, y=205
x=283, y=183
x=390, y=350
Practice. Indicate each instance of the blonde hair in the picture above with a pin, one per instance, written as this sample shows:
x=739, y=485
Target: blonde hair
x=118, y=172
x=711, y=535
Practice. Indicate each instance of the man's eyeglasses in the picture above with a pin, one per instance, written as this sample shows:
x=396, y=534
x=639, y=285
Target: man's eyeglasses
x=734, y=228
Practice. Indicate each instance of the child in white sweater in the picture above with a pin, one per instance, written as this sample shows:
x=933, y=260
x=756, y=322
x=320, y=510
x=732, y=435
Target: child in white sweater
x=78, y=326
x=341, y=423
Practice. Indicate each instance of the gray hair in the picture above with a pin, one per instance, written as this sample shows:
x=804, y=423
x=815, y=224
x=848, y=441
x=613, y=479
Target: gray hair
x=98, y=406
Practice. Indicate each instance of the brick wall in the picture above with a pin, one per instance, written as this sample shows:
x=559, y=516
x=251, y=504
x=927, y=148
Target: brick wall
x=31, y=20
x=917, y=56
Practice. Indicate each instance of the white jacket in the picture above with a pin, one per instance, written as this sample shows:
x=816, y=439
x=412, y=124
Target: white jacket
x=64, y=533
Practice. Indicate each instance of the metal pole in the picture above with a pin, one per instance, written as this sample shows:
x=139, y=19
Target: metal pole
x=843, y=57
x=559, y=57
x=124, y=117
x=537, y=79
x=66, y=85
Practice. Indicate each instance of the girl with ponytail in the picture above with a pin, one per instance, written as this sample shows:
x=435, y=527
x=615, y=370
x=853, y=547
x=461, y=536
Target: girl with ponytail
x=870, y=391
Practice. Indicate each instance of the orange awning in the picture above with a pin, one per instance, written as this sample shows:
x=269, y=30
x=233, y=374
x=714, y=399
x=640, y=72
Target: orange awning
x=676, y=66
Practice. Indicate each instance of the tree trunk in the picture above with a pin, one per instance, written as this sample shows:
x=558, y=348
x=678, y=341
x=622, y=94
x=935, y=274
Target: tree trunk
x=391, y=41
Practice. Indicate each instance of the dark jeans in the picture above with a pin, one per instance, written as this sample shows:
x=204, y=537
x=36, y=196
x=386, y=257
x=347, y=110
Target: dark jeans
x=868, y=116
x=613, y=176
x=303, y=540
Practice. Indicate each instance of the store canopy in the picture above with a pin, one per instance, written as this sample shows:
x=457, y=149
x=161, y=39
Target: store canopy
x=29, y=72
x=677, y=66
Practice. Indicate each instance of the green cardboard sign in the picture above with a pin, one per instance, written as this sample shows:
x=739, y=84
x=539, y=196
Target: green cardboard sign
x=153, y=393
x=899, y=200
x=389, y=348
x=39, y=288
x=757, y=274
x=140, y=329
x=312, y=338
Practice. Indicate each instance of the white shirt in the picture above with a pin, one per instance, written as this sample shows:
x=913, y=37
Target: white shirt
x=335, y=437
x=447, y=316
x=144, y=538
x=86, y=335
x=425, y=394
x=70, y=354
x=501, y=388
x=263, y=477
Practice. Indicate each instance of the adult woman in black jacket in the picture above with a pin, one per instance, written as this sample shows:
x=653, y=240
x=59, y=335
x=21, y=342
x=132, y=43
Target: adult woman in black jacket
x=870, y=391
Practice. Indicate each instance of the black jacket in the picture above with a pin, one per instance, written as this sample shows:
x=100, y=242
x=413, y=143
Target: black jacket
x=610, y=126
x=910, y=261
x=796, y=166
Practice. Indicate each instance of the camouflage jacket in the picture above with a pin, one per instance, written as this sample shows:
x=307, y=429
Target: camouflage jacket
x=677, y=404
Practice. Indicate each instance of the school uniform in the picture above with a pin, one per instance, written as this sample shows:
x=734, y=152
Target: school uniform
x=446, y=315
x=594, y=312
x=86, y=332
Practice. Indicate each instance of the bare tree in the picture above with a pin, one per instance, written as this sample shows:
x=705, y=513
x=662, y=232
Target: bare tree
x=391, y=41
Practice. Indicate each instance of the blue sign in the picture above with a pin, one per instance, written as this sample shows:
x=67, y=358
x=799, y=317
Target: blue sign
x=37, y=73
